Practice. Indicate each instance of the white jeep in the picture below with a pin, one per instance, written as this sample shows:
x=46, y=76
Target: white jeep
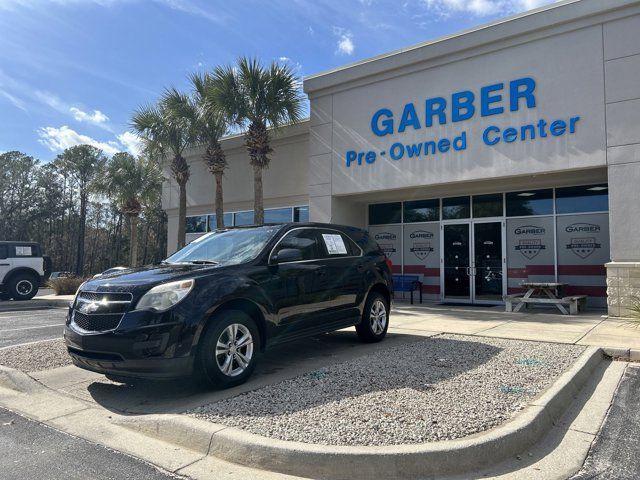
x=23, y=269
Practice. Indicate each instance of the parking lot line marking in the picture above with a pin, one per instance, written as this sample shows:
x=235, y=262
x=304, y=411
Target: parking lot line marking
x=31, y=328
x=30, y=343
x=35, y=311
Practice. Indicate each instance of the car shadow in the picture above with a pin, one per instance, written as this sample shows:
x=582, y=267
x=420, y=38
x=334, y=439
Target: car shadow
x=437, y=360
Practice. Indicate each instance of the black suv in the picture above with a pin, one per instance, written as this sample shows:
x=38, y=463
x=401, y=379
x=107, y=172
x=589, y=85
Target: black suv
x=214, y=305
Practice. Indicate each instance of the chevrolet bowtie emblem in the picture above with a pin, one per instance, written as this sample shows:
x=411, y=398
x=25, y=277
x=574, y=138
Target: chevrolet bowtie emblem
x=89, y=307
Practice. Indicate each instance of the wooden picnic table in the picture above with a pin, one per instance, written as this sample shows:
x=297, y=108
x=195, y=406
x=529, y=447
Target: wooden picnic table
x=545, y=293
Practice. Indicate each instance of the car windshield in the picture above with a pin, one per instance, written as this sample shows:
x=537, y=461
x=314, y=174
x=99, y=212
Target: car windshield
x=229, y=247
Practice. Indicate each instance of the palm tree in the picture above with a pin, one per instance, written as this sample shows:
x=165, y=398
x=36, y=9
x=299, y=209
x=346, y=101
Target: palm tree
x=257, y=98
x=84, y=164
x=209, y=126
x=165, y=129
x=132, y=183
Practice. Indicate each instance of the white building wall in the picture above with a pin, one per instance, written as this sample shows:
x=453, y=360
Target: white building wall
x=622, y=71
x=284, y=182
x=585, y=59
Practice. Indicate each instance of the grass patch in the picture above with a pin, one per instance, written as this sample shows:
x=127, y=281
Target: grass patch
x=65, y=285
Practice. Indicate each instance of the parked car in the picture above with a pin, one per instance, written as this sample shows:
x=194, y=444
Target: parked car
x=212, y=307
x=23, y=269
x=55, y=275
x=111, y=270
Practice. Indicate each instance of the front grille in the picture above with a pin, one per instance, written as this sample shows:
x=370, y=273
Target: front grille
x=108, y=296
x=96, y=323
x=100, y=311
x=113, y=357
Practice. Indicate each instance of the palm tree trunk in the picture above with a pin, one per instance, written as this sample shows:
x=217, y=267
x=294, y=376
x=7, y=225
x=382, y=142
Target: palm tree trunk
x=146, y=240
x=133, y=241
x=182, y=215
x=219, y=204
x=258, y=200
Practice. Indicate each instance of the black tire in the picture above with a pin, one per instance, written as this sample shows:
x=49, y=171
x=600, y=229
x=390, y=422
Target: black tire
x=23, y=286
x=212, y=358
x=373, y=328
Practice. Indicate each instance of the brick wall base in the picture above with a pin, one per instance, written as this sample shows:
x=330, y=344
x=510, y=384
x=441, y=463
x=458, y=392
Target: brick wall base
x=623, y=287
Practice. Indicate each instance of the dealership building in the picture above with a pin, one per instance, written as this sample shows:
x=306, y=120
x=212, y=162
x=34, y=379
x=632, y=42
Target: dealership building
x=502, y=154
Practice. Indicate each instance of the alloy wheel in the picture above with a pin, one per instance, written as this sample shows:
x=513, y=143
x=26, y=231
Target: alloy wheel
x=378, y=317
x=234, y=349
x=24, y=287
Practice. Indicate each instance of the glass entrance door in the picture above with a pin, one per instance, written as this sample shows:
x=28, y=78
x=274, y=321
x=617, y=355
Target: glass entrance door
x=473, y=262
x=457, y=265
x=487, y=265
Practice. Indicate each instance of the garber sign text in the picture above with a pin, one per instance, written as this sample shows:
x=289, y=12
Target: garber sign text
x=460, y=106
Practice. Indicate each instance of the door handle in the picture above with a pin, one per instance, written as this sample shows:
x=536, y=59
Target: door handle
x=321, y=272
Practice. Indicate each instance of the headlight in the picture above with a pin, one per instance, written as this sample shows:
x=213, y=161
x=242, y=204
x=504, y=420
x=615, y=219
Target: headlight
x=165, y=296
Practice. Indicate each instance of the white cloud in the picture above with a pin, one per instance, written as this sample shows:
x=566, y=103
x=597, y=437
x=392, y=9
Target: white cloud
x=208, y=12
x=57, y=139
x=131, y=142
x=15, y=101
x=96, y=117
x=482, y=8
x=345, y=45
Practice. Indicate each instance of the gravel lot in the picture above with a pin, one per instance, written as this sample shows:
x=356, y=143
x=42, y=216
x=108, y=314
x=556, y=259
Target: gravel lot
x=440, y=388
x=36, y=356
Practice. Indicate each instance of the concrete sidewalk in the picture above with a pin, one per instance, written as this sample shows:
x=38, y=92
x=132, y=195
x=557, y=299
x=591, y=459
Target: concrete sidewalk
x=37, y=302
x=543, y=325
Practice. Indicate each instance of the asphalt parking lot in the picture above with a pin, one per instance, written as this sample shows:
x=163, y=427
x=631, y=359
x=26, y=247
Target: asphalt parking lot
x=35, y=451
x=27, y=326
x=614, y=454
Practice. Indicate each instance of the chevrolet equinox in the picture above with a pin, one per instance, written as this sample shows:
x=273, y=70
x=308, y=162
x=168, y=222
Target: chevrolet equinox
x=212, y=307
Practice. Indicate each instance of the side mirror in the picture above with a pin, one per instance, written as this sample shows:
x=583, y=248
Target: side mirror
x=287, y=255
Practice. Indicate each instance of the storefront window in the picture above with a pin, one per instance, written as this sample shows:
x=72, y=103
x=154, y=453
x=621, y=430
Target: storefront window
x=228, y=221
x=530, y=202
x=421, y=211
x=196, y=224
x=383, y=213
x=389, y=238
x=589, y=198
x=456, y=207
x=243, y=218
x=583, y=250
x=487, y=205
x=530, y=252
x=301, y=214
x=278, y=215
x=421, y=249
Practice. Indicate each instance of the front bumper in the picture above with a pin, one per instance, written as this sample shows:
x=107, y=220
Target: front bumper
x=143, y=347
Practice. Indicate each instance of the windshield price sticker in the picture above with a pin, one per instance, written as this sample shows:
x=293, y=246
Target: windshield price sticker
x=335, y=244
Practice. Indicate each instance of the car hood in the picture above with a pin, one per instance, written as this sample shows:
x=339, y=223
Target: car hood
x=143, y=278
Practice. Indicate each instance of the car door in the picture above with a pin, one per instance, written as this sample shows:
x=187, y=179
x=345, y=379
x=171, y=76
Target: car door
x=5, y=262
x=346, y=269
x=301, y=285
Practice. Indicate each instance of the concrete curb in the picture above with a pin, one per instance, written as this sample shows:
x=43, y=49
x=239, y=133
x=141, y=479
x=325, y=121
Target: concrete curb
x=392, y=462
x=18, y=381
x=33, y=304
x=622, y=354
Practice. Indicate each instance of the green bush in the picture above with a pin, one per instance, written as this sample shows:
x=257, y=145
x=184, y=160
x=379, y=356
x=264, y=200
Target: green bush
x=65, y=285
x=634, y=312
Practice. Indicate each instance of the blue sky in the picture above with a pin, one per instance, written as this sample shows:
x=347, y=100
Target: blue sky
x=73, y=71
